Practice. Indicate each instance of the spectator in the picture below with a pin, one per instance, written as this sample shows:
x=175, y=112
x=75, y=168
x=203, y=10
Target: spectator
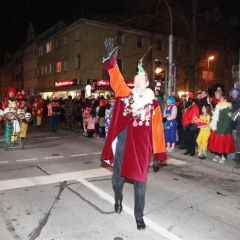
x=221, y=140
x=203, y=124
x=170, y=113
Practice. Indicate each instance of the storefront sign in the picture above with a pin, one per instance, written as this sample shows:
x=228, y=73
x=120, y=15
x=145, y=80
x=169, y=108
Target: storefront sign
x=102, y=83
x=66, y=83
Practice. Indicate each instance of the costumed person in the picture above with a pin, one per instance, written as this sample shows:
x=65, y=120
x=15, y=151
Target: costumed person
x=32, y=108
x=236, y=117
x=135, y=133
x=203, y=124
x=189, y=122
x=170, y=113
x=12, y=125
x=53, y=113
x=39, y=108
x=22, y=105
x=221, y=140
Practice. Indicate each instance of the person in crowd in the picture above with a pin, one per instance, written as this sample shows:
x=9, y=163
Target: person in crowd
x=159, y=97
x=101, y=114
x=86, y=113
x=53, y=113
x=181, y=109
x=205, y=100
x=70, y=109
x=221, y=139
x=215, y=99
x=39, y=106
x=234, y=95
x=189, y=122
x=203, y=123
x=236, y=117
x=170, y=113
x=136, y=131
x=108, y=115
x=94, y=113
x=91, y=123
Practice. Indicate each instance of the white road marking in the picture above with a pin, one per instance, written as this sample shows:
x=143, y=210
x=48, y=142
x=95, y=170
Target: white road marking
x=157, y=228
x=79, y=155
x=26, y=160
x=97, y=153
x=55, y=178
x=80, y=176
x=4, y=162
x=53, y=157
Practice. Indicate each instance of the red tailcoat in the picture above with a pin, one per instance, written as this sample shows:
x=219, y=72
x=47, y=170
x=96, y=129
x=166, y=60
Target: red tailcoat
x=141, y=140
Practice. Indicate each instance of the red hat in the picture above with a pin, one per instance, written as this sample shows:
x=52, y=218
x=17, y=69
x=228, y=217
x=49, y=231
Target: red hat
x=191, y=95
x=13, y=90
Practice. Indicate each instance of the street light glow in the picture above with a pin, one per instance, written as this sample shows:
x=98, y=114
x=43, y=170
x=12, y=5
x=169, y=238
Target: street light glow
x=211, y=58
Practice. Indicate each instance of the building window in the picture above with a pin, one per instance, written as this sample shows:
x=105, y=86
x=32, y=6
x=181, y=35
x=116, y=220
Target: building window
x=78, y=34
x=50, y=68
x=40, y=51
x=58, y=67
x=35, y=53
x=35, y=73
x=48, y=47
x=78, y=62
x=140, y=41
x=46, y=70
x=31, y=76
x=42, y=73
x=65, y=66
x=65, y=40
x=120, y=38
x=58, y=43
x=160, y=45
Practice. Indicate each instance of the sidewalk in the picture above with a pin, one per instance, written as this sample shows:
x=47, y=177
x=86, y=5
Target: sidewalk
x=229, y=166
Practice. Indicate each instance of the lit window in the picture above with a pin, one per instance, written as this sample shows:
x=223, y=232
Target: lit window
x=58, y=67
x=48, y=47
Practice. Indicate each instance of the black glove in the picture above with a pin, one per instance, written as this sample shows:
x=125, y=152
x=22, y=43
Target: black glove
x=110, y=50
x=156, y=166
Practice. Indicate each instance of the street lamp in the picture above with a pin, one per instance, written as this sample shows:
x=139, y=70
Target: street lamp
x=209, y=59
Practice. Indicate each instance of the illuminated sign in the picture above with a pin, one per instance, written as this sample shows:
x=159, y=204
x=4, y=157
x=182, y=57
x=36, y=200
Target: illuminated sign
x=130, y=84
x=66, y=83
x=102, y=83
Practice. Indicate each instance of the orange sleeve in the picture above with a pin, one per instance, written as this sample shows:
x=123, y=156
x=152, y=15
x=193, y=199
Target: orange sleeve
x=117, y=82
x=158, y=132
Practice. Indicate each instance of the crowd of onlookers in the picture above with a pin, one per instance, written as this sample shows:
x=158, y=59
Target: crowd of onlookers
x=200, y=123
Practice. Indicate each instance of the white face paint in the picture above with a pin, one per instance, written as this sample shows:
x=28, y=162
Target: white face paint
x=140, y=83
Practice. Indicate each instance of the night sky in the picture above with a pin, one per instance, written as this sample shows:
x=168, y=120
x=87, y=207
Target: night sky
x=15, y=15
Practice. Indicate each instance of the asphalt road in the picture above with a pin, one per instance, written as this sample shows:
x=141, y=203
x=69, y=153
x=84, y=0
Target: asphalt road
x=56, y=189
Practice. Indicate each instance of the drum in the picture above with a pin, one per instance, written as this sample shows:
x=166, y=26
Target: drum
x=20, y=114
x=9, y=113
x=1, y=115
x=28, y=116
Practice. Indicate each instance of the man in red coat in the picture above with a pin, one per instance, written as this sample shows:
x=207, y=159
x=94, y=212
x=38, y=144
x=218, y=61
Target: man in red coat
x=136, y=131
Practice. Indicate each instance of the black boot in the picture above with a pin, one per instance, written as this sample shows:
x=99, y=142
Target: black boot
x=140, y=224
x=118, y=206
x=192, y=151
x=237, y=160
x=188, y=151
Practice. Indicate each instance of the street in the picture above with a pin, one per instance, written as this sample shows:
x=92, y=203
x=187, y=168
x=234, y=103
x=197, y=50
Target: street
x=56, y=188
